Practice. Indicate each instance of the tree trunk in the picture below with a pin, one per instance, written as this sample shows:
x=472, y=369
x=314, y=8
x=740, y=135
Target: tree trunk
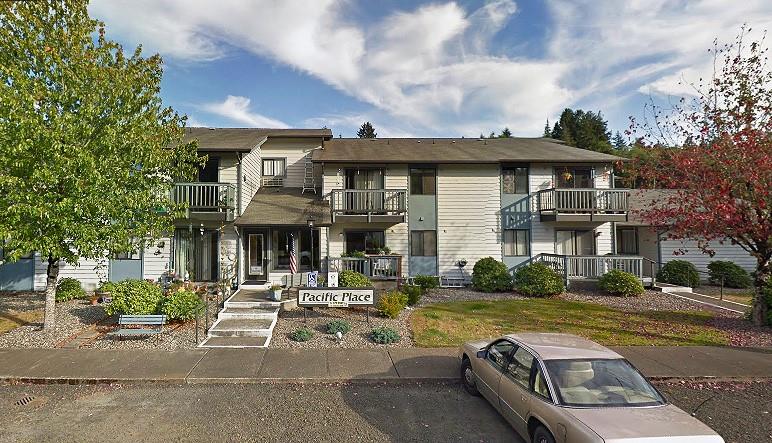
x=49, y=321
x=760, y=308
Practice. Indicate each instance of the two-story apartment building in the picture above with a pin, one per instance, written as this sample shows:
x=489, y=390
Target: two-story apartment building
x=413, y=206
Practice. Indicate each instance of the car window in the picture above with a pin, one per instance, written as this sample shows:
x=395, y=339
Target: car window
x=498, y=353
x=540, y=385
x=519, y=369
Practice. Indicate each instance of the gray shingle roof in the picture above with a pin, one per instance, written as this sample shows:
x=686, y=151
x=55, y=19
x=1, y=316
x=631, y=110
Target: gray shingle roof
x=454, y=150
x=244, y=139
x=285, y=206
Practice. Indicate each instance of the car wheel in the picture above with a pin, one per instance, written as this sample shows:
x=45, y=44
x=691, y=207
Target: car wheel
x=541, y=435
x=468, y=378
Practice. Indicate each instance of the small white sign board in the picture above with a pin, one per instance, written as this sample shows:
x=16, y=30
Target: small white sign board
x=332, y=279
x=312, y=279
x=335, y=297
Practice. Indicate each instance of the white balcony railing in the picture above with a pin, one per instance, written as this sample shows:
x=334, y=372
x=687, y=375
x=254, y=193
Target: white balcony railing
x=205, y=197
x=573, y=267
x=599, y=201
x=378, y=267
x=370, y=201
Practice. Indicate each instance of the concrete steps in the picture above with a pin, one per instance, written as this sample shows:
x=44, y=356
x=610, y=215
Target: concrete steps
x=246, y=321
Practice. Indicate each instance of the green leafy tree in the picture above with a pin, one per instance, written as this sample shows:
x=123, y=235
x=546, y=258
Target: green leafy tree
x=505, y=133
x=88, y=153
x=366, y=131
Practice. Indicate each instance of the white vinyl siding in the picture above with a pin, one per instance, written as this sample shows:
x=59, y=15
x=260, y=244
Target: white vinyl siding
x=294, y=151
x=693, y=254
x=250, y=176
x=468, y=213
x=155, y=261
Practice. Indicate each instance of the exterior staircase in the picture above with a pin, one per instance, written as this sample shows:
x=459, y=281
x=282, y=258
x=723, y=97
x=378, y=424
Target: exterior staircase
x=246, y=321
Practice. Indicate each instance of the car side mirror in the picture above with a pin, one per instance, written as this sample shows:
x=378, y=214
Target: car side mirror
x=482, y=353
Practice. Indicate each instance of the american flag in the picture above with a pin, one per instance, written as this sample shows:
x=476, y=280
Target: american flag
x=293, y=257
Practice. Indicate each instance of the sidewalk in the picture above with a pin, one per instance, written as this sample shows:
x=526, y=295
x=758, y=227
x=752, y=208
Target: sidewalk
x=291, y=365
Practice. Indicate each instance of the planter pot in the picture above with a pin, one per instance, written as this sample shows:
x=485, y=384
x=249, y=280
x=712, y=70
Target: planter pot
x=276, y=294
x=100, y=297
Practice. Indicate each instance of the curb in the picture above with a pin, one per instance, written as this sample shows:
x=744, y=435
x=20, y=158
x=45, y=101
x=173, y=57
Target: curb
x=234, y=380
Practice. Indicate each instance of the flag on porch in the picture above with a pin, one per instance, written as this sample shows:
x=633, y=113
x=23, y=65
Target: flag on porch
x=292, y=256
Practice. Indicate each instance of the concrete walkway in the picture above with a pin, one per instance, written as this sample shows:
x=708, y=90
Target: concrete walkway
x=327, y=365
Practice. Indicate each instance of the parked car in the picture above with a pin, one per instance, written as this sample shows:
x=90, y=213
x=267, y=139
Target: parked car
x=560, y=388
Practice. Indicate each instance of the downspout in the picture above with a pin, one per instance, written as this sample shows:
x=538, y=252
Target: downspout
x=238, y=214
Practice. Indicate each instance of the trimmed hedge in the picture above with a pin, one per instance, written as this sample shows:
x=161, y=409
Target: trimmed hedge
x=69, y=288
x=734, y=276
x=135, y=297
x=392, y=303
x=622, y=283
x=352, y=279
x=414, y=293
x=491, y=275
x=182, y=305
x=679, y=272
x=538, y=279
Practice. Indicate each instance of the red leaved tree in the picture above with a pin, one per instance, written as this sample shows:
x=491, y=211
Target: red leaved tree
x=714, y=151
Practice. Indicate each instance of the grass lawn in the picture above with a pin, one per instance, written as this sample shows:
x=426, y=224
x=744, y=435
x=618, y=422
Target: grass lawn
x=12, y=319
x=450, y=324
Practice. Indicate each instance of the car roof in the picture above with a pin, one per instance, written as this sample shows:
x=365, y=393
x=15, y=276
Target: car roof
x=555, y=346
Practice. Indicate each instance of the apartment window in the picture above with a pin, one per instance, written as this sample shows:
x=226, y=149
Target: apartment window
x=274, y=167
x=515, y=180
x=573, y=177
x=370, y=242
x=516, y=242
x=423, y=243
x=627, y=241
x=423, y=181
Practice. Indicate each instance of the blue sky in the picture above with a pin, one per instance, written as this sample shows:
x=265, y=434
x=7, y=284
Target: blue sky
x=425, y=68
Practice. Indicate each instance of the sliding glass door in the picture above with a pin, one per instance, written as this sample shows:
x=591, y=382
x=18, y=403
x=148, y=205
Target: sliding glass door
x=195, y=254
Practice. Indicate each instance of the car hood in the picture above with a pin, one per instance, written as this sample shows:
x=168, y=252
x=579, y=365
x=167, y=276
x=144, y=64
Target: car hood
x=658, y=424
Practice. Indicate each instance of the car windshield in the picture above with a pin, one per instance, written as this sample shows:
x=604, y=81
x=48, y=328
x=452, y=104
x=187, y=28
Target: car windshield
x=598, y=383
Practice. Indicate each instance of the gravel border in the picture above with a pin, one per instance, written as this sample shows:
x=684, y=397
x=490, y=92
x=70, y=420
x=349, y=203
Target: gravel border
x=648, y=301
x=357, y=338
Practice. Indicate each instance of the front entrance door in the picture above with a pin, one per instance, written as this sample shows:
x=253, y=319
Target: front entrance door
x=254, y=252
x=126, y=266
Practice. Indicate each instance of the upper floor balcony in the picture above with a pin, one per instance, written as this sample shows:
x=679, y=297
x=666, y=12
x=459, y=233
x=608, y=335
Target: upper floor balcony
x=207, y=201
x=369, y=205
x=571, y=204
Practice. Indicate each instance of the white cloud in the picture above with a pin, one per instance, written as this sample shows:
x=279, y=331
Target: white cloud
x=236, y=108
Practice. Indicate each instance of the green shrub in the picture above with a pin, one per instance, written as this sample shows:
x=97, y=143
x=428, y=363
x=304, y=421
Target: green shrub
x=107, y=286
x=538, y=279
x=135, y=297
x=301, y=334
x=351, y=279
x=734, y=276
x=68, y=289
x=335, y=326
x=679, y=272
x=766, y=291
x=622, y=283
x=182, y=305
x=413, y=292
x=384, y=335
x=392, y=303
x=491, y=275
x=427, y=281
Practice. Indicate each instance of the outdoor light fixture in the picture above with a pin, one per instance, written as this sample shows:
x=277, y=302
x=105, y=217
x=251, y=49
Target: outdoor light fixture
x=310, y=222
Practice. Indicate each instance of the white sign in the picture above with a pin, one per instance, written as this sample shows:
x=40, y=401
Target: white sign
x=332, y=279
x=312, y=279
x=335, y=297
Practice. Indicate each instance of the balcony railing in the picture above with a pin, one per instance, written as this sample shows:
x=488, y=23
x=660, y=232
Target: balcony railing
x=583, y=204
x=573, y=267
x=372, y=203
x=206, y=197
x=378, y=267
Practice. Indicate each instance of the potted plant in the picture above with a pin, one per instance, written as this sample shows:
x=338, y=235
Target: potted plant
x=566, y=175
x=275, y=292
x=102, y=293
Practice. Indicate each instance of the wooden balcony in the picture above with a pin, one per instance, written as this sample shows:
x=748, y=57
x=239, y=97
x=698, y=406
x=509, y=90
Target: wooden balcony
x=372, y=205
x=376, y=267
x=599, y=205
x=592, y=267
x=206, y=201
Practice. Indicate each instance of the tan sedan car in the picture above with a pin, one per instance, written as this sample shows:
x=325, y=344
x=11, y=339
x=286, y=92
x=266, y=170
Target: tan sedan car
x=560, y=388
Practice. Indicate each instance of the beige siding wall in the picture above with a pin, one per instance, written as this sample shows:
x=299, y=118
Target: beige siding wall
x=692, y=253
x=156, y=259
x=228, y=167
x=294, y=150
x=468, y=213
x=251, y=169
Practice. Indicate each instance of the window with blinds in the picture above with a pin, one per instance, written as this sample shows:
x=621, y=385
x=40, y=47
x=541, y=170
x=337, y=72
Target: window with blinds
x=516, y=242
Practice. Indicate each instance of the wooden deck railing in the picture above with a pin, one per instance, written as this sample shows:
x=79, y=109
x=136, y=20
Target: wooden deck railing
x=573, y=267
x=205, y=196
x=378, y=267
x=370, y=201
x=584, y=200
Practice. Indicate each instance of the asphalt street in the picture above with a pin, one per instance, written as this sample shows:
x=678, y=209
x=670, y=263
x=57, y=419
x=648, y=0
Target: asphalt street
x=317, y=412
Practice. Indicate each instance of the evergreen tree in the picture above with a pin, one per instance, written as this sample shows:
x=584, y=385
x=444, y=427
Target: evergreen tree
x=492, y=135
x=366, y=131
x=505, y=133
x=547, y=132
x=619, y=142
x=583, y=129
